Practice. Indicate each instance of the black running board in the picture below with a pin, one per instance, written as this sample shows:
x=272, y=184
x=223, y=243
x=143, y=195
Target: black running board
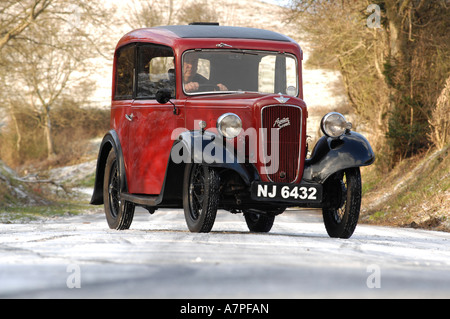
x=141, y=200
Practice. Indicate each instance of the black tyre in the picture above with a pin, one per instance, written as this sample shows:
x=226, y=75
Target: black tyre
x=119, y=214
x=260, y=223
x=341, y=222
x=200, y=197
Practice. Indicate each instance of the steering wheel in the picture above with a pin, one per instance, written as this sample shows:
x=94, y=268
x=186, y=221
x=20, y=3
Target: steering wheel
x=208, y=87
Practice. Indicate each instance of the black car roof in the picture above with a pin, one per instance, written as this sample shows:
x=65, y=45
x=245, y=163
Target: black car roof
x=216, y=31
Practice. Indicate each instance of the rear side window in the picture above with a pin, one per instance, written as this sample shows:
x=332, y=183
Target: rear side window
x=155, y=70
x=124, y=73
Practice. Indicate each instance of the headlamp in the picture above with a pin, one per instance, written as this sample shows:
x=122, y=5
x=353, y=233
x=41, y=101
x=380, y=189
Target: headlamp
x=229, y=125
x=334, y=124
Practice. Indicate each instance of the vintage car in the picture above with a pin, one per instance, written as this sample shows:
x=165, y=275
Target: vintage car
x=207, y=117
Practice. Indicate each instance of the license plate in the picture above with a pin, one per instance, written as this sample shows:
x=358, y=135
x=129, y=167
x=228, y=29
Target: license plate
x=301, y=193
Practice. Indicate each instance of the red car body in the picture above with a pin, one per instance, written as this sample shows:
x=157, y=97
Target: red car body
x=144, y=131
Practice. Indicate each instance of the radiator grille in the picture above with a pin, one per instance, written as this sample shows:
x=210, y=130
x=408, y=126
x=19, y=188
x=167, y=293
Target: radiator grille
x=287, y=120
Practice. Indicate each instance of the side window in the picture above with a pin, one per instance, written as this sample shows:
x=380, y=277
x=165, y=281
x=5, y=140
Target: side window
x=124, y=73
x=155, y=70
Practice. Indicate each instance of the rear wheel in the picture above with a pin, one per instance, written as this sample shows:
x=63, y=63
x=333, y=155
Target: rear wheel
x=200, y=197
x=341, y=222
x=259, y=223
x=119, y=213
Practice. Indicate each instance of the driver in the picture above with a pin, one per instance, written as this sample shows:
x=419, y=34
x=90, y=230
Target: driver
x=192, y=80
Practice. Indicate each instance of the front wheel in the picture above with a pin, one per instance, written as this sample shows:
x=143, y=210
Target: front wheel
x=119, y=213
x=341, y=222
x=200, y=197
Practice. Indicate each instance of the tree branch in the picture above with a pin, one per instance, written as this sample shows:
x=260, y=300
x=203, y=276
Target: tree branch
x=35, y=12
x=43, y=181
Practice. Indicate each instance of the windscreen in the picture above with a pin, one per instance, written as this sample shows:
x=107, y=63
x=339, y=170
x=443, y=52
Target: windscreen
x=230, y=71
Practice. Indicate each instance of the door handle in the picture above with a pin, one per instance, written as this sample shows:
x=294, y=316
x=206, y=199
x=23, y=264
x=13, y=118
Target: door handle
x=129, y=117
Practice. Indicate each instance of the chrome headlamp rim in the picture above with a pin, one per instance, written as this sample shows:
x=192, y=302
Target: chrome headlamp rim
x=341, y=126
x=223, y=130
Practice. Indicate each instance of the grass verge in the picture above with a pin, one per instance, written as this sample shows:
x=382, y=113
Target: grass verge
x=23, y=214
x=416, y=193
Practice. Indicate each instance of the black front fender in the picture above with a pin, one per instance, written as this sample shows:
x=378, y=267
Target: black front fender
x=110, y=141
x=208, y=149
x=332, y=155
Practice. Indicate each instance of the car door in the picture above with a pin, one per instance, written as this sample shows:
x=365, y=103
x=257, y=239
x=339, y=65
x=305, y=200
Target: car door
x=151, y=123
x=123, y=93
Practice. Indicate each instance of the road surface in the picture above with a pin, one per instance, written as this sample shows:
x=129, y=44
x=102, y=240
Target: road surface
x=79, y=257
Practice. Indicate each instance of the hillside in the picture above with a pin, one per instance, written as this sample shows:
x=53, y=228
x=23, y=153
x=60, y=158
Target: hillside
x=415, y=194
x=14, y=192
x=9, y=192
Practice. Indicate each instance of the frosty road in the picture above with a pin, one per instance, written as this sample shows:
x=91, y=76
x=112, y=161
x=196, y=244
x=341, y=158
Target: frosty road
x=80, y=257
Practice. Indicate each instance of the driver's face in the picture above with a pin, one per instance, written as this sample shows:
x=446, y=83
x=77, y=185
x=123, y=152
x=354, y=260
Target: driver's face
x=189, y=66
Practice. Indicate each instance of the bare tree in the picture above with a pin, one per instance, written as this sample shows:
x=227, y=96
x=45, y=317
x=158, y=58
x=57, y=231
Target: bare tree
x=47, y=47
x=393, y=72
x=150, y=13
x=197, y=11
x=17, y=15
x=440, y=118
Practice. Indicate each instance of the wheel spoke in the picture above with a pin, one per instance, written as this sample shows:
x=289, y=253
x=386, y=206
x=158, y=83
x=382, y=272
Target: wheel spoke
x=114, y=190
x=338, y=214
x=197, y=191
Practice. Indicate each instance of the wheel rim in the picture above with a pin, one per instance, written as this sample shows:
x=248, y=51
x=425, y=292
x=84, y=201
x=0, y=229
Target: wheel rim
x=196, y=191
x=114, y=190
